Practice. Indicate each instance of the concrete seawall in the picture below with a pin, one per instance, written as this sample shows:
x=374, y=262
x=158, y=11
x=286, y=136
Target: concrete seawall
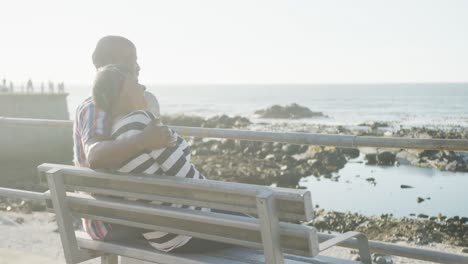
x=48, y=106
x=23, y=148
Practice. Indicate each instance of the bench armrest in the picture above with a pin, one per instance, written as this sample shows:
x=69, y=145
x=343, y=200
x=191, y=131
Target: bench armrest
x=363, y=244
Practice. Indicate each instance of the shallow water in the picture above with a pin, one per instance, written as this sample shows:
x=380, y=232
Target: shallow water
x=352, y=192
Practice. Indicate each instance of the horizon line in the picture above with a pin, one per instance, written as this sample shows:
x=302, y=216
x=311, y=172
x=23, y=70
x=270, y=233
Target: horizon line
x=292, y=83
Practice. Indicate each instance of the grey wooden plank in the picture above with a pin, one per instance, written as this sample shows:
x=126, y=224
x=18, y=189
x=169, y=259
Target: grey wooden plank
x=64, y=221
x=219, y=227
x=293, y=205
x=234, y=255
x=142, y=251
x=109, y=259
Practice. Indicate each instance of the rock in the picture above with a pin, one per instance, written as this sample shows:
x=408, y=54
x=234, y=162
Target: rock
x=261, y=154
x=214, y=148
x=183, y=120
x=465, y=250
x=403, y=186
x=420, y=200
x=270, y=157
x=371, y=159
x=228, y=144
x=327, y=161
x=430, y=154
x=383, y=260
x=386, y=158
x=375, y=125
x=222, y=121
x=291, y=149
x=293, y=111
x=423, y=216
x=352, y=153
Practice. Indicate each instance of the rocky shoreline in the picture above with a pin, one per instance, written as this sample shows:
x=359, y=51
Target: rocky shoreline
x=435, y=229
x=285, y=164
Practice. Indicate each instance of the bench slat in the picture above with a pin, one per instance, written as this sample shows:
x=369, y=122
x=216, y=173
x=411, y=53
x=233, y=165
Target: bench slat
x=292, y=205
x=240, y=230
x=142, y=251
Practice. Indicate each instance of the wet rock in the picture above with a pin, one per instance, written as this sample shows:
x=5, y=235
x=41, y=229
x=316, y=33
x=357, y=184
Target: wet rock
x=380, y=259
x=291, y=149
x=465, y=250
x=403, y=186
x=222, y=121
x=386, y=158
x=371, y=180
x=293, y=111
x=375, y=125
x=423, y=216
x=225, y=121
x=261, y=154
x=327, y=161
x=270, y=157
x=420, y=200
x=228, y=144
x=183, y=120
x=387, y=228
x=371, y=159
x=351, y=153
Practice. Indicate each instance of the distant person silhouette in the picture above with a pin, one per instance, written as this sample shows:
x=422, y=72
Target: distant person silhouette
x=29, y=86
x=51, y=87
x=11, y=87
x=42, y=87
x=4, y=83
x=61, y=87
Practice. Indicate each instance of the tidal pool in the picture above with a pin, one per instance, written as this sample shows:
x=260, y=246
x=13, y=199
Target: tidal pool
x=444, y=192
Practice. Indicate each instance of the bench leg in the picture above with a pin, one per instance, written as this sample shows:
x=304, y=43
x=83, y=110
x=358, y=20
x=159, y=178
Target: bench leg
x=109, y=259
x=268, y=217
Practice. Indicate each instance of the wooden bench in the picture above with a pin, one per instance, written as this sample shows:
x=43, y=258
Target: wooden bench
x=274, y=232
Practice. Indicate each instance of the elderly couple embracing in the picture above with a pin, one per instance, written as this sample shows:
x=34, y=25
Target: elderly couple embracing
x=118, y=129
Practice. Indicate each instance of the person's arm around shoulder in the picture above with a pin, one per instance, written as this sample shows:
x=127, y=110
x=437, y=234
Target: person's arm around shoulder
x=105, y=153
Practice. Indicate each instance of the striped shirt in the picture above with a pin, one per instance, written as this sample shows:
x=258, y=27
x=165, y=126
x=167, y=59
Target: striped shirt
x=89, y=122
x=171, y=161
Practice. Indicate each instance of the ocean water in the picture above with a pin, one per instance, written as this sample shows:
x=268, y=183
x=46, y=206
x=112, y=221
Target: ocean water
x=434, y=105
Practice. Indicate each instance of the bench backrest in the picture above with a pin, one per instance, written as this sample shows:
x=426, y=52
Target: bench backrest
x=275, y=225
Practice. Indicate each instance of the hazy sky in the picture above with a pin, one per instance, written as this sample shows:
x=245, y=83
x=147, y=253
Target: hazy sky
x=241, y=41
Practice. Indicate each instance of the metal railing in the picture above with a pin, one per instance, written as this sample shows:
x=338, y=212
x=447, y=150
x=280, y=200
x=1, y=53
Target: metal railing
x=347, y=141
